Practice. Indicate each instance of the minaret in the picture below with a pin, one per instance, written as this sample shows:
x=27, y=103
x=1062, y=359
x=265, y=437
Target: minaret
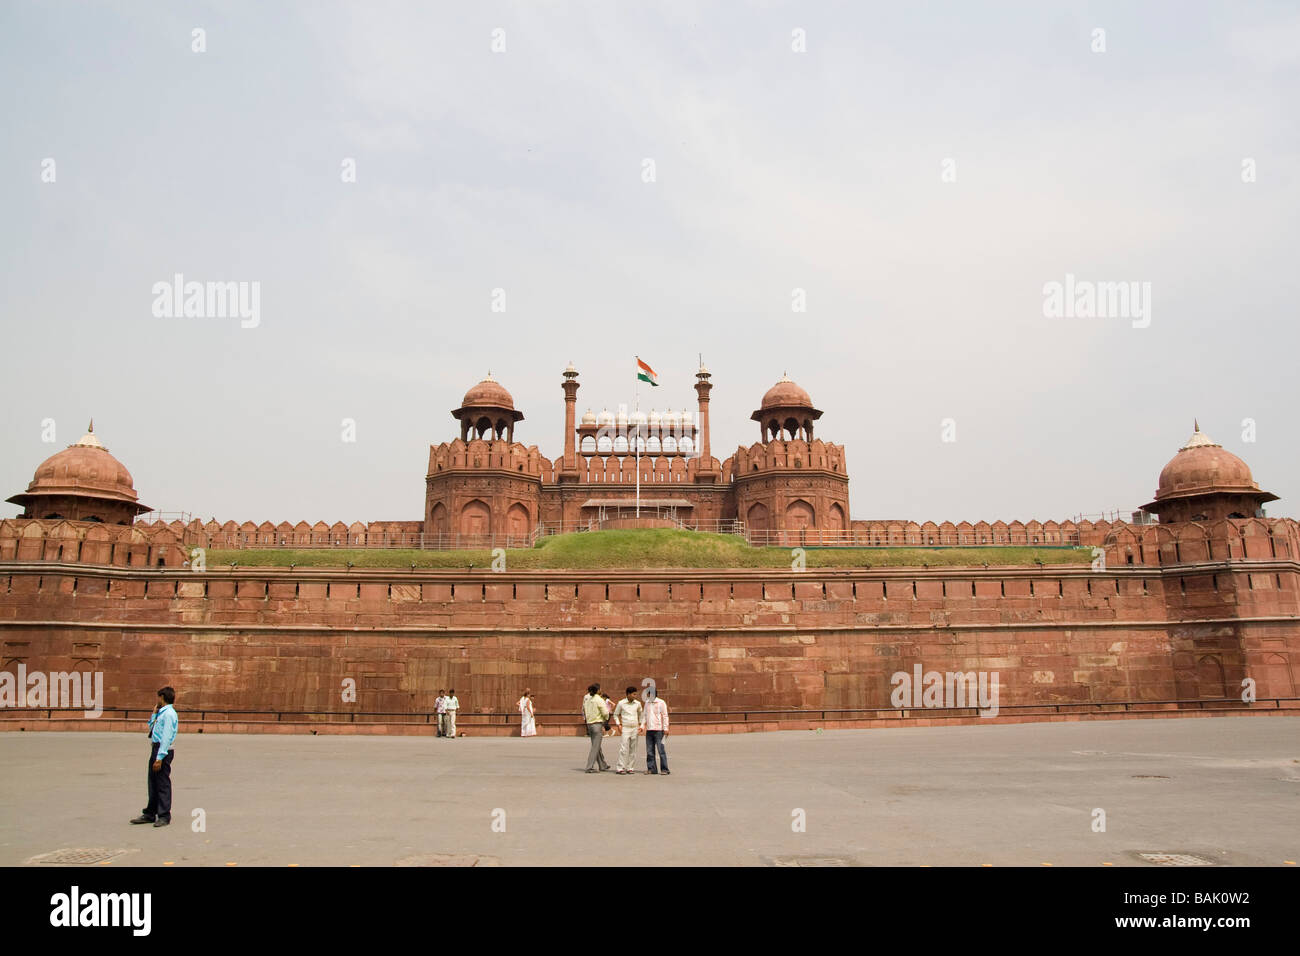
x=570, y=387
x=704, y=471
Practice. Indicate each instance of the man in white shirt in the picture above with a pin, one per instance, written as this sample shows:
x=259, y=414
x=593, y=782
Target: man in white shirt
x=628, y=714
x=440, y=703
x=451, y=704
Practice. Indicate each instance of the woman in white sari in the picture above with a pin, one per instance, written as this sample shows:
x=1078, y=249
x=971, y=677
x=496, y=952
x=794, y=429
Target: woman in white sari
x=528, y=723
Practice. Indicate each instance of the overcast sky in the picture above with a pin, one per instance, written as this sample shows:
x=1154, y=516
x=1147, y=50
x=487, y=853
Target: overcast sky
x=774, y=170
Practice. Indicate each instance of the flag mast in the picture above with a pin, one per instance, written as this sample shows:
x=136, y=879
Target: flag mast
x=636, y=399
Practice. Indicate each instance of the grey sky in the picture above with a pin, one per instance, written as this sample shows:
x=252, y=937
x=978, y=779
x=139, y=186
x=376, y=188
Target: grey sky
x=775, y=170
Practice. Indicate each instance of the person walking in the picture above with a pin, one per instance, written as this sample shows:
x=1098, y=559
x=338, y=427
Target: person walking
x=629, y=715
x=656, y=729
x=593, y=714
x=451, y=704
x=442, y=713
x=527, y=719
x=163, y=726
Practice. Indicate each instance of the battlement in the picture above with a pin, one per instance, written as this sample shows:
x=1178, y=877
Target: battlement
x=1124, y=543
x=622, y=469
x=779, y=455
x=478, y=453
x=90, y=542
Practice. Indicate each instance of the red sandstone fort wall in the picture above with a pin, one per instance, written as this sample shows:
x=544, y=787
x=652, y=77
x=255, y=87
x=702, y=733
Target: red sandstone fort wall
x=1151, y=545
x=261, y=639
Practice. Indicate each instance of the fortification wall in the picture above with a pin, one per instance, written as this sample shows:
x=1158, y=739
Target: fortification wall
x=1124, y=543
x=260, y=639
x=167, y=544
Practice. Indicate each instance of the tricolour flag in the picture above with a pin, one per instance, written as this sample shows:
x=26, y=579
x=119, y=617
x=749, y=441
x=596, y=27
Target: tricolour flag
x=645, y=373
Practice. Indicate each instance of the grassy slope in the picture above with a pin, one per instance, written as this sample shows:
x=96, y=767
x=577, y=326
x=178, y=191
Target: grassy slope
x=656, y=548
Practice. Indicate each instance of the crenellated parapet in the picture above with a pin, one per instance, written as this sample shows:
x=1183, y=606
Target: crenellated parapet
x=1124, y=543
x=780, y=455
x=884, y=533
x=482, y=455
x=93, y=542
x=1197, y=542
x=622, y=469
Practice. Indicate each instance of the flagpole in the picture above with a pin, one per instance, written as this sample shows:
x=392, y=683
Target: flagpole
x=636, y=400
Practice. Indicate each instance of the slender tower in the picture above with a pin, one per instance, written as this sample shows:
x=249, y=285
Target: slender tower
x=704, y=471
x=570, y=386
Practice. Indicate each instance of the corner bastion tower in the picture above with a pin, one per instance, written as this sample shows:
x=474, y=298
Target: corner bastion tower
x=790, y=482
x=485, y=486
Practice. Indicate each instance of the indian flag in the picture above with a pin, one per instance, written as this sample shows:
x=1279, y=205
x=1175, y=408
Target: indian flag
x=645, y=373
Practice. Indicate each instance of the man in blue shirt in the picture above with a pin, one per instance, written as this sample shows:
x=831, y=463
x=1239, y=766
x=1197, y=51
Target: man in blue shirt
x=162, y=732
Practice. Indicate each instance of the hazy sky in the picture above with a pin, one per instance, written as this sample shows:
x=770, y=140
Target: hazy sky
x=775, y=170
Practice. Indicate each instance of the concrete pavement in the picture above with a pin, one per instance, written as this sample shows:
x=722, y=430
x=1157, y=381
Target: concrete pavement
x=1223, y=789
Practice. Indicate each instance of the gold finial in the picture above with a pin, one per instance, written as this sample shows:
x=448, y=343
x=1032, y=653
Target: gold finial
x=91, y=429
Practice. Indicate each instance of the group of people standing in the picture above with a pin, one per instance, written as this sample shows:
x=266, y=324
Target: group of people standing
x=627, y=718
x=447, y=705
x=630, y=716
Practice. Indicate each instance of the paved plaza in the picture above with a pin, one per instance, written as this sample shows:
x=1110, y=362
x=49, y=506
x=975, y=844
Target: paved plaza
x=1223, y=789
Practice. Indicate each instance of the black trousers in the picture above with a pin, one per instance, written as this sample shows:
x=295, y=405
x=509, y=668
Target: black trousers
x=160, y=785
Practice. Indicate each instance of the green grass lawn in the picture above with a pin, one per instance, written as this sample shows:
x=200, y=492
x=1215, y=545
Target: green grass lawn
x=650, y=548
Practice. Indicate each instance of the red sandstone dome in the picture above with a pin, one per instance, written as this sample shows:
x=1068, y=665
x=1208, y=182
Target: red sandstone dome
x=82, y=482
x=785, y=394
x=1203, y=466
x=487, y=410
x=489, y=393
x=1205, y=482
x=786, y=409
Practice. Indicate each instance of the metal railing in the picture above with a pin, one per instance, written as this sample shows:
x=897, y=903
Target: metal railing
x=165, y=517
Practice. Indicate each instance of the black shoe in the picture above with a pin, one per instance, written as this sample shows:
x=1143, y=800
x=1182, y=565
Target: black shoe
x=162, y=821
x=666, y=770
x=143, y=818
x=593, y=770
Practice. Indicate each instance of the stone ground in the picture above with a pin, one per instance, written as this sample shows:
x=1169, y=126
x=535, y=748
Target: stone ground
x=1225, y=789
